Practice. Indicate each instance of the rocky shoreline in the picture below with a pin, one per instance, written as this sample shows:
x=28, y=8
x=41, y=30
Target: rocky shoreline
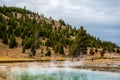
x=97, y=68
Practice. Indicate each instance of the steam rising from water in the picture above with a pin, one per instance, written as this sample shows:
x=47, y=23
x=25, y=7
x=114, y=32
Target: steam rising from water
x=51, y=72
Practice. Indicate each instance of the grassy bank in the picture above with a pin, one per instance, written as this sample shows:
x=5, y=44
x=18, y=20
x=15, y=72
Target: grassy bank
x=10, y=60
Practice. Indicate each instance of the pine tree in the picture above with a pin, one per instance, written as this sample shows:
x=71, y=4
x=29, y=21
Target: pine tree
x=96, y=50
x=79, y=46
x=56, y=48
x=5, y=38
x=48, y=43
x=61, y=49
x=91, y=51
x=23, y=48
x=33, y=50
x=41, y=50
x=62, y=22
x=48, y=53
x=118, y=50
x=13, y=42
x=102, y=53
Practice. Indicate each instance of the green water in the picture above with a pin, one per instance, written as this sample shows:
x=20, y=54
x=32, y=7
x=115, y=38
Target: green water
x=60, y=74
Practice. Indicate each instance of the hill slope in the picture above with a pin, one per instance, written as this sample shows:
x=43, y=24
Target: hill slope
x=24, y=33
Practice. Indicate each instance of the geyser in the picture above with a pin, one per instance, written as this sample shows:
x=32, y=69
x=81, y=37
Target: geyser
x=35, y=72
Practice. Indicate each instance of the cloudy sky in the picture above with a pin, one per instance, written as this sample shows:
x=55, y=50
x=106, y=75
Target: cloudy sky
x=100, y=18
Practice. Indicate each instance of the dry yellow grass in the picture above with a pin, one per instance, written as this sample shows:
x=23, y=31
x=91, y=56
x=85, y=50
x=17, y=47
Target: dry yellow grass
x=15, y=54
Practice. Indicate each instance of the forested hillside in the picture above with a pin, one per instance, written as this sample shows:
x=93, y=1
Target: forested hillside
x=31, y=31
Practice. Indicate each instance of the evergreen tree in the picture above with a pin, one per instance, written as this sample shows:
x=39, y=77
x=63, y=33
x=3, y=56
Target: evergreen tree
x=118, y=50
x=5, y=38
x=23, y=48
x=91, y=51
x=62, y=22
x=61, y=49
x=2, y=30
x=48, y=53
x=33, y=50
x=79, y=46
x=47, y=48
x=42, y=51
x=56, y=48
x=102, y=53
x=48, y=43
x=13, y=42
x=96, y=50
x=22, y=35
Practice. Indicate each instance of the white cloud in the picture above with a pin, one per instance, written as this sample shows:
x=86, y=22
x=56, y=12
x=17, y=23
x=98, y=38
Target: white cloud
x=55, y=3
